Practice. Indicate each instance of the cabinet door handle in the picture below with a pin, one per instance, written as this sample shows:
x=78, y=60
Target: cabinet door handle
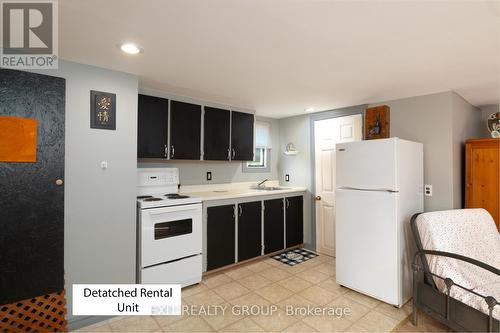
x=287, y=203
x=240, y=210
x=166, y=151
x=172, y=151
x=228, y=154
x=233, y=154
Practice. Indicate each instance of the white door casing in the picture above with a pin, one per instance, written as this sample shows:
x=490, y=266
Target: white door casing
x=327, y=133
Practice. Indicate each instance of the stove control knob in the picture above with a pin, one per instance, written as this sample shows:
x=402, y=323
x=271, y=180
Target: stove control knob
x=59, y=182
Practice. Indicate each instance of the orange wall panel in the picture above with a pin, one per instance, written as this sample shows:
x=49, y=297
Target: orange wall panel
x=18, y=138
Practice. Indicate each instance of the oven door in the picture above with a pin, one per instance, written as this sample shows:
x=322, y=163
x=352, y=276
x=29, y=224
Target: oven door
x=169, y=233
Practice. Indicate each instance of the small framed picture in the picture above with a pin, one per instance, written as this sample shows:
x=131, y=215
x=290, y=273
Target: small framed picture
x=377, y=122
x=102, y=110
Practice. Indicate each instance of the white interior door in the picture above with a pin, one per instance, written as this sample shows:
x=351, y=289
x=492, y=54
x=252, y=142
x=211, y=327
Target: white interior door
x=327, y=133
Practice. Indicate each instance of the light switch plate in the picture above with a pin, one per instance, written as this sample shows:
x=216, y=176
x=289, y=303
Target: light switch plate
x=428, y=190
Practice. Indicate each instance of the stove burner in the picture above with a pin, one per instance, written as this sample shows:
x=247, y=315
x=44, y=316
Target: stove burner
x=144, y=196
x=176, y=196
x=153, y=199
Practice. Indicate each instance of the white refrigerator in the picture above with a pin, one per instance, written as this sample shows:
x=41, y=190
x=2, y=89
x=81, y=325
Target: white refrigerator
x=379, y=186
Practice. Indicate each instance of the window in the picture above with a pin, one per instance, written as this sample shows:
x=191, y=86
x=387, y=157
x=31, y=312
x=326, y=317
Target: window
x=262, y=155
x=260, y=159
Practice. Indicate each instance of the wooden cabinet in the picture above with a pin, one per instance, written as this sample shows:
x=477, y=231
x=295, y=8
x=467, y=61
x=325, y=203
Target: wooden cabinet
x=152, y=129
x=249, y=230
x=242, y=136
x=185, y=131
x=216, y=134
x=294, y=218
x=274, y=225
x=220, y=236
x=482, y=173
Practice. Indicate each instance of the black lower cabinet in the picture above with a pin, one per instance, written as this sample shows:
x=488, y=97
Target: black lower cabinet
x=273, y=225
x=294, y=221
x=249, y=230
x=220, y=236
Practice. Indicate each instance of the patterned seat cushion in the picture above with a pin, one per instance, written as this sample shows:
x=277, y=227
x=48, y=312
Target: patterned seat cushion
x=468, y=232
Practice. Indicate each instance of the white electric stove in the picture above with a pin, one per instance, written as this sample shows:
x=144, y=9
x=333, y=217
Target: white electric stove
x=168, y=230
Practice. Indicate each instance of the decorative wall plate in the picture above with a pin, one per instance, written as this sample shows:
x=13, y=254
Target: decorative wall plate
x=493, y=124
x=102, y=110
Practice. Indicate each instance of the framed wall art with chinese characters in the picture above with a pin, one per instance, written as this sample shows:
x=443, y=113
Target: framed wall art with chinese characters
x=102, y=110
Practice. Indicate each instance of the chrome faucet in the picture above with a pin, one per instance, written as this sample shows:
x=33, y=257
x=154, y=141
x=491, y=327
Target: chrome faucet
x=262, y=183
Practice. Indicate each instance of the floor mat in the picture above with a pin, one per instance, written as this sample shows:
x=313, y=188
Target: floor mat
x=295, y=256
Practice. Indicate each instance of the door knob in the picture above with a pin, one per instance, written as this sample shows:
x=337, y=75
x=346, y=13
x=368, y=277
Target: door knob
x=318, y=198
x=59, y=182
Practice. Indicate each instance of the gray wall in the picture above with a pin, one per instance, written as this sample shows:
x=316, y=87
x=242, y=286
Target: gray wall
x=440, y=121
x=467, y=124
x=298, y=131
x=194, y=173
x=427, y=119
x=100, y=204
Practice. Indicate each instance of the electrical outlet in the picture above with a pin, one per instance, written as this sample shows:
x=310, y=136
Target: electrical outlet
x=209, y=175
x=287, y=177
x=428, y=190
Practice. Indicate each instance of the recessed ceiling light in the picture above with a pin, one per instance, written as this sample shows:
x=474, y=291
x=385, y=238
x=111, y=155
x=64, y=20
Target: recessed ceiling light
x=130, y=48
x=309, y=109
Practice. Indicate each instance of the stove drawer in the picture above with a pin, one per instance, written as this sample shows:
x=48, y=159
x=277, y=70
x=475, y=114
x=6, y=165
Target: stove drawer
x=185, y=272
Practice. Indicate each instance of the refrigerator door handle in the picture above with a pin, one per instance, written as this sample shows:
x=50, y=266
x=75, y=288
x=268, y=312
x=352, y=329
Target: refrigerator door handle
x=367, y=189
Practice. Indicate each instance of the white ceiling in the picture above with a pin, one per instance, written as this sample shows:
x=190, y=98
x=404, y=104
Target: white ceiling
x=281, y=56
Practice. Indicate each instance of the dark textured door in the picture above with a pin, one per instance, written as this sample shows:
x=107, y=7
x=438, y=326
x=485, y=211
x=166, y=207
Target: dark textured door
x=216, y=134
x=152, y=127
x=294, y=221
x=242, y=136
x=274, y=238
x=185, y=131
x=32, y=202
x=220, y=236
x=249, y=230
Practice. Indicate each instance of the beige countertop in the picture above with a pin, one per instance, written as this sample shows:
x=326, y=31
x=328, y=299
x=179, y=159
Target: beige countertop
x=236, y=190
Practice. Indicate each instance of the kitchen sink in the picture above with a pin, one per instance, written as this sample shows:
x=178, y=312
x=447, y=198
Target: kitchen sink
x=272, y=188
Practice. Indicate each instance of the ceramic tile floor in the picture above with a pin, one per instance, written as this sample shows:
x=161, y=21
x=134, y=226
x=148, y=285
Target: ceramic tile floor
x=268, y=282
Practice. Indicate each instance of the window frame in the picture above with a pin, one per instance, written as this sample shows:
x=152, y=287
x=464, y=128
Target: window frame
x=259, y=169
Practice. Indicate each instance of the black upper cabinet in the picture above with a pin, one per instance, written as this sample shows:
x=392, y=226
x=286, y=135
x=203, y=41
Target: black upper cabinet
x=152, y=129
x=273, y=225
x=185, y=131
x=242, y=136
x=227, y=135
x=294, y=221
x=249, y=230
x=216, y=134
x=220, y=236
